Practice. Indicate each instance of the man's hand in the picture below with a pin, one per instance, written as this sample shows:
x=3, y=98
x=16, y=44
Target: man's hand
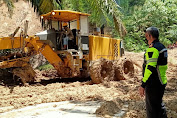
x=141, y=91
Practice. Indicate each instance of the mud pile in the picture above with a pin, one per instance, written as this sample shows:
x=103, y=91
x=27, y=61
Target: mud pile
x=108, y=108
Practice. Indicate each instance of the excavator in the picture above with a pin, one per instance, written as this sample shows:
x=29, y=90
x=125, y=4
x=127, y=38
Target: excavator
x=75, y=61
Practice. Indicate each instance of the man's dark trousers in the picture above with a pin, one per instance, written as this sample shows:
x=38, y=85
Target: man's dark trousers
x=154, y=105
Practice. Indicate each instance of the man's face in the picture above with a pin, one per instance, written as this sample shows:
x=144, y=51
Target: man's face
x=148, y=36
x=65, y=28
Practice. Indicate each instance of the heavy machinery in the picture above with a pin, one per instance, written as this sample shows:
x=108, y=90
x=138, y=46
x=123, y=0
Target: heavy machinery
x=73, y=62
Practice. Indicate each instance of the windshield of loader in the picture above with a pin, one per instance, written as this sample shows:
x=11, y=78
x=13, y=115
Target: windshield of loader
x=77, y=22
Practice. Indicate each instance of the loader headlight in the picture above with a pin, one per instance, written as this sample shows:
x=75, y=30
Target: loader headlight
x=53, y=13
x=42, y=17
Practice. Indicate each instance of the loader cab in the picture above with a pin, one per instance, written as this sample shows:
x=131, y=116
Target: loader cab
x=52, y=23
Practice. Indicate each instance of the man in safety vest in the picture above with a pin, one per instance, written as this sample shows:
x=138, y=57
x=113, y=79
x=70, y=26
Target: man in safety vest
x=154, y=75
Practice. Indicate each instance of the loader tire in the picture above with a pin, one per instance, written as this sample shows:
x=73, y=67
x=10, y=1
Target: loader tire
x=119, y=74
x=123, y=69
x=25, y=73
x=95, y=73
x=105, y=70
x=102, y=70
x=6, y=77
x=128, y=67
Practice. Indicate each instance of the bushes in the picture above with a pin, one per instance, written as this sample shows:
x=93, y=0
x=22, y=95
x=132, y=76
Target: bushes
x=46, y=66
x=153, y=13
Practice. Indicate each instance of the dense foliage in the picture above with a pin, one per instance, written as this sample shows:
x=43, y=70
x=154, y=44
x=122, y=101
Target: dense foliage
x=161, y=14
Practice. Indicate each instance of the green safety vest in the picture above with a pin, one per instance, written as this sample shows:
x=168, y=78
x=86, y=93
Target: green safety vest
x=156, y=64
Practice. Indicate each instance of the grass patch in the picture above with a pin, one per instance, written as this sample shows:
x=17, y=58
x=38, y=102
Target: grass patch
x=45, y=67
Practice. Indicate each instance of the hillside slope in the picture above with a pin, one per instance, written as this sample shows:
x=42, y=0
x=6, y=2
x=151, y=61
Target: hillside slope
x=22, y=11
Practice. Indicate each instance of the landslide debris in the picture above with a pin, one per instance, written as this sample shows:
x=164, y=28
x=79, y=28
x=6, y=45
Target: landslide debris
x=22, y=11
x=108, y=108
x=126, y=90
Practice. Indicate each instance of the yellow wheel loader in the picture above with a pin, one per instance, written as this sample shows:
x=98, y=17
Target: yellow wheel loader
x=75, y=61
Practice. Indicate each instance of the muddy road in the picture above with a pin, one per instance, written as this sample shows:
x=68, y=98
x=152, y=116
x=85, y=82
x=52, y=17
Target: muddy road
x=115, y=94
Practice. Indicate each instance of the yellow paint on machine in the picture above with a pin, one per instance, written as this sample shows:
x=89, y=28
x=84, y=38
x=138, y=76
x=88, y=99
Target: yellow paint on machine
x=104, y=47
x=11, y=42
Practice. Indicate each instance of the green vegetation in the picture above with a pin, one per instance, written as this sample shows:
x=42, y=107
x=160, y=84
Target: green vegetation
x=153, y=13
x=45, y=67
x=129, y=17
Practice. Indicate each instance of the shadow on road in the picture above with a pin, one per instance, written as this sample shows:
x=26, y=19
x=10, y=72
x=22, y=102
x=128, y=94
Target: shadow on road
x=61, y=80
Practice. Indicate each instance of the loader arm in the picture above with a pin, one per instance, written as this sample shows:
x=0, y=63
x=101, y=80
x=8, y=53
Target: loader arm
x=48, y=53
x=31, y=42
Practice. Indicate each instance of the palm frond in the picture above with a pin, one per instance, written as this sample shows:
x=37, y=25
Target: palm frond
x=108, y=8
x=119, y=26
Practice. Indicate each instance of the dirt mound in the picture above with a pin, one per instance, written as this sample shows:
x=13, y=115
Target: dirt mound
x=106, y=70
x=45, y=74
x=22, y=11
x=108, y=108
